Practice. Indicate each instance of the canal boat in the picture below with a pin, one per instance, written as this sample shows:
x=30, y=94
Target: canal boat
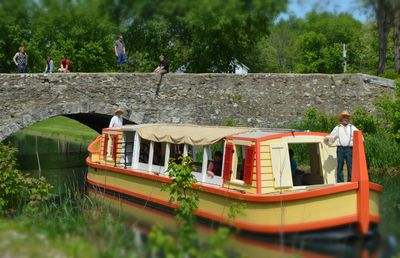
x=132, y=161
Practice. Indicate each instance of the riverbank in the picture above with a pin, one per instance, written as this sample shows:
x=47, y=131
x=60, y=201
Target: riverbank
x=62, y=128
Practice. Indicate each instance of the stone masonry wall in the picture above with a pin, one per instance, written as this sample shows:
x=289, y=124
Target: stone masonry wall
x=257, y=100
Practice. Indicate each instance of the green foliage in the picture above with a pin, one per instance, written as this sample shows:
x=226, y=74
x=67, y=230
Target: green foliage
x=17, y=189
x=382, y=152
x=202, y=35
x=389, y=109
x=72, y=225
x=187, y=243
x=316, y=121
x=187, y=198
x=365, y=121
x=321, y=42
x=231, y=122
x=236, y=209
x=390, y=75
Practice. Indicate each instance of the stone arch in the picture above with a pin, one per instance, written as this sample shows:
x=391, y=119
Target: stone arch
x=83, y=112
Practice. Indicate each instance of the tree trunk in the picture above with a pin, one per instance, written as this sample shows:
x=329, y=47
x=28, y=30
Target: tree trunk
x=396, y=49
x=396, y=34
x=382, y=16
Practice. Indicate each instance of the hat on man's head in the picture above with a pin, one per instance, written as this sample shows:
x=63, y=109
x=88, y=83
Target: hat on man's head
x=119, y=111
x=344, y=113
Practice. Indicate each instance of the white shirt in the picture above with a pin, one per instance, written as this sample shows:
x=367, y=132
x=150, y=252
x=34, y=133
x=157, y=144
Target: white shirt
x=115, y=121
x=342, y=135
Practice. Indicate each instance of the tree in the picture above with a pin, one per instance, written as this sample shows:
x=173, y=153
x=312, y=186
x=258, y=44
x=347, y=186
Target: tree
x=387, y=14
x=202, y=35
x=320, y=42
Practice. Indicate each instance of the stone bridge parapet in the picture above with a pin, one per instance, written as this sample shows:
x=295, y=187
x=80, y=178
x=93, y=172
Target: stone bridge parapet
x=257, y=100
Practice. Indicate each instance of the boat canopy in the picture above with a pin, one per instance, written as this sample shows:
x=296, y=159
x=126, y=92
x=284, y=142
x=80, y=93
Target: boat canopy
x=189, y=134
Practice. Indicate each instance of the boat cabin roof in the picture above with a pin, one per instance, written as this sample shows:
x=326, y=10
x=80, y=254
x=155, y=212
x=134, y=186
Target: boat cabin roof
x=196, y=134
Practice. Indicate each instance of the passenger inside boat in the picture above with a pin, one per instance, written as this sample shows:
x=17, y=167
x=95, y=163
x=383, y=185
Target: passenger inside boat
x=297, y=174
x=240, y=152
x=215, y=166
x=310, y=162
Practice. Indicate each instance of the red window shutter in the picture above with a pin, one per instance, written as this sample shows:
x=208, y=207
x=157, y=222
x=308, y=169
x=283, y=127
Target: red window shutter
x=228, y=161
x=115, y=146
x=249, y=164
x=105, y=144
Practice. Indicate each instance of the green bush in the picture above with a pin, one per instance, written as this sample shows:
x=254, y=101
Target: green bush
x=390, y=75
x=316, y=121
x=365, y=121
x=381, y=151
x=389, y=110
x=17, y=189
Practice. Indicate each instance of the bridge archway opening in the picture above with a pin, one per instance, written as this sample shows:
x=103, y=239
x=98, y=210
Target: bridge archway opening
x=95, y=121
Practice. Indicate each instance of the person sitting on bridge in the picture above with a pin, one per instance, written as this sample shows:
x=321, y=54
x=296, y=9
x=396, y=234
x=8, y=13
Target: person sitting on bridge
x=116, y=120
x=162, y=69
x=65, y=65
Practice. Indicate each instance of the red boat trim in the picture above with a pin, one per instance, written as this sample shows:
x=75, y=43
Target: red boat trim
x=258, y=167
x=281, y=135
x=111, y=130
x=275, y=136
x=360, y=175
x=229, y=193
x=374, y=218
x=91, y=148
x=239, y=223
x=375, y=187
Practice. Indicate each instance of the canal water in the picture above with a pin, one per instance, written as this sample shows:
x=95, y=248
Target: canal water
x=62, y=163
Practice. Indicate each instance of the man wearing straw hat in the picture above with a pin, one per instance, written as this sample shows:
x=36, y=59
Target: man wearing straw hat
x=342, y=136
x=116, y=120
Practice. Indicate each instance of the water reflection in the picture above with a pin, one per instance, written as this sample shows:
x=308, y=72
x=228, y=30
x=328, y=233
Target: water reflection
x=61, y=162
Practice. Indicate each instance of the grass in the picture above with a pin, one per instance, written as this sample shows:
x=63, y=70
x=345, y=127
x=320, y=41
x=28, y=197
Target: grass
x=19, y=241
x=61, y=127
x=68, y=226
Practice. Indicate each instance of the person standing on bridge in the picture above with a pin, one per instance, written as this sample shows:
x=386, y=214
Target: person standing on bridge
x=117, y=119
x=342, y=136
x=21, y=60
x=119, y=50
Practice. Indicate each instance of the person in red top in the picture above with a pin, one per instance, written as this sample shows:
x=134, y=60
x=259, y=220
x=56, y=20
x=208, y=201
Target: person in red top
x=65, y=65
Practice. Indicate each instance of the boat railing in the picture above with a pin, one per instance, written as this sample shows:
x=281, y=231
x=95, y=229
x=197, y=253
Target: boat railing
x=125, y=155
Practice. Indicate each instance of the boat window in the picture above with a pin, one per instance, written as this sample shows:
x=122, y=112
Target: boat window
x=128, y=148
x=305, y=163
x=215, y=157
x=144, y=151
x=238, y=169
x=176, y=150
x=159, y=153
x=109, y=145
x=197, y=156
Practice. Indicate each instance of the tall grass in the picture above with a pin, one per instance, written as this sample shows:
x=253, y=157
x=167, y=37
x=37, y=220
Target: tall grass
x=88, y=227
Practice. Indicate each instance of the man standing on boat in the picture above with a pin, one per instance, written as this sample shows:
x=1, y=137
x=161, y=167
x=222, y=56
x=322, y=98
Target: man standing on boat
x=342, y=136
x=117, y=120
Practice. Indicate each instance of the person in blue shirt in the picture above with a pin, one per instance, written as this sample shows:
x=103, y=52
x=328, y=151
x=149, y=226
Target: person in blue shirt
x=297, y=174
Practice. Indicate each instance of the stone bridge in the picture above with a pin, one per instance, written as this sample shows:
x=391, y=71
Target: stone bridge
x=257, y=100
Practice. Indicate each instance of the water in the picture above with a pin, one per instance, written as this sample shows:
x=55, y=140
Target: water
x=62, y=163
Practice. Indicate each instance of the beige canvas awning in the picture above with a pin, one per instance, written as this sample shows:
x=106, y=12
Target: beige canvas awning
x=188, y=134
